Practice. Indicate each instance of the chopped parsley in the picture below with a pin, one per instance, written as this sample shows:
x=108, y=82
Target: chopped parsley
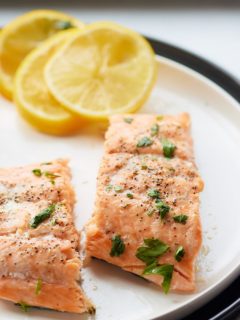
x=63, y=25
x=37, y=172
x=38, y=286
x=152, y=250
x=51, y=176
x=181, y=218
x=109, y=188
x=162, y=208
x=128, y=120
x=154, y=130
x=118, y=246
x=144, y=142
x=168, y=148
x=179, y=253
x=118, y=189
x=164, y=270
x=42, y=216
x=23, y=305
x=130, y=195
x=154, y=193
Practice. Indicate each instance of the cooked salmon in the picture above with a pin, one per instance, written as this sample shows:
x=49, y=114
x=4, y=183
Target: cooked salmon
x=127, y=132
x=146, y=217
x=39, y=244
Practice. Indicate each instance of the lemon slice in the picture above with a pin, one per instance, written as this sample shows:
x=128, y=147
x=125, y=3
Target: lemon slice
x=31, y=93
x=24, y=34
x=102, y=70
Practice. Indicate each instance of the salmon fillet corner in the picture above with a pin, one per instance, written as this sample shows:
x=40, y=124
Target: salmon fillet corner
x=39, y=245
x=147, y=204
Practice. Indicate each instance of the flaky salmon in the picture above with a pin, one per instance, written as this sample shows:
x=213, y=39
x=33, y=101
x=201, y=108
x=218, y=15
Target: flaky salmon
x=39, y=245
x=146, y=217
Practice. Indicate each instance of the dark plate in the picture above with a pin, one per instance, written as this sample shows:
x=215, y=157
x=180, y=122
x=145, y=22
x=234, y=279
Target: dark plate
x=226, y=305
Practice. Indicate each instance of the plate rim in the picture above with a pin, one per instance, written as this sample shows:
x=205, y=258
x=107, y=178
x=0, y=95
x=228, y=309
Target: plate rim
x=208, y=69
x=230, y=85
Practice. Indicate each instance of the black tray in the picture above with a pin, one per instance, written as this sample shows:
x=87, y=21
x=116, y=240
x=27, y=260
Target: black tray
x=226, y=305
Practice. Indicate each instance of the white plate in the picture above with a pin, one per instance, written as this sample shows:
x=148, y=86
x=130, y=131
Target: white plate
x=215, y=127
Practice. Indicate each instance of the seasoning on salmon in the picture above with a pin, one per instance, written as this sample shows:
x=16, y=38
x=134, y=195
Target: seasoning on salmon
x=39, y=244
x=148, y=133
x=159, y=226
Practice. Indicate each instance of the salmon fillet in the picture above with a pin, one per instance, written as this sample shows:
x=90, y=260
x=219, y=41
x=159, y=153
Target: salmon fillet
x=39, y=245
x=126, y=131
x=146, y=215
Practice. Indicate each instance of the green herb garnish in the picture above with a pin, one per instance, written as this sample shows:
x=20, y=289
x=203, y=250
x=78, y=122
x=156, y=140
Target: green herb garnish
x=182, y=218
x=130, y=195
x=23, y=305
x=164, y=270
x=46, y=163
x=152, y=250
x=109, y=188
x=42, y=216
x=128, y=120
x=51, y=175
x=154, y=130
x=154, y=193
x=179, y=254
x=118, y=189
x=144, y=142
x=63, y=25
x=168, y=148
x=118, y=246
x=38, y=286
x=162, y=208
x=37, y=172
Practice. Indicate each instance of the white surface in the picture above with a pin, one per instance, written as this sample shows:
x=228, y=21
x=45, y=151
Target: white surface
x=215, y=122
x=212, y=31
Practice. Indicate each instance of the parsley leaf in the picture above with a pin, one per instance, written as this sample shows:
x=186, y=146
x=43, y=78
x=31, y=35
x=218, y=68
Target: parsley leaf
x=37, y=172
x=164, y=270
x=42, y=216
x=168, y=148
x=179, y=254
x=118, y=189
x=128, y=120
x=144, y=142
x=108, y=187
x=152, y=250
x=162, y=208
x=130, y=195
x=182, y=218
x=23, y=305
x=118, y=246
x=154, y=130
x=38, y=286
x=154, y=193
